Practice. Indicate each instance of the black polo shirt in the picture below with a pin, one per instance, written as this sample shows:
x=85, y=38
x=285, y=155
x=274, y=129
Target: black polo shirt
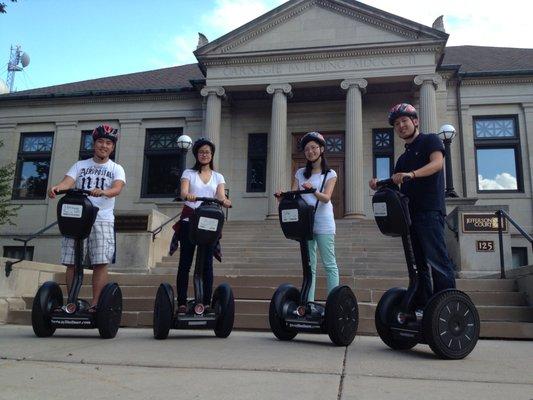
x=427, y=193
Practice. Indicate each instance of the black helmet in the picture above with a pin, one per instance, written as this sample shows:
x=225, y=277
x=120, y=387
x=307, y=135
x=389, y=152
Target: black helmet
x=105, y=132
x=315, y=136
x=402, y=109
x=199, y=143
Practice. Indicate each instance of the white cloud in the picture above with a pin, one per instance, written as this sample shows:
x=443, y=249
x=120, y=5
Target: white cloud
x=470, y=22
x=231, y=14
x=503, y=181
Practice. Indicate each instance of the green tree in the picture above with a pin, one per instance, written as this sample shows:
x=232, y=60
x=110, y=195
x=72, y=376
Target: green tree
x=4, y=5
x=7, y=210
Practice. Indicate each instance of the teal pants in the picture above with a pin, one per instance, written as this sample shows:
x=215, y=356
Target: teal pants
x=326, y=247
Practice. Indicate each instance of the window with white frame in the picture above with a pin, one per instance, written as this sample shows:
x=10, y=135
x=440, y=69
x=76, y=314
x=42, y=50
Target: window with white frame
x=498, y=159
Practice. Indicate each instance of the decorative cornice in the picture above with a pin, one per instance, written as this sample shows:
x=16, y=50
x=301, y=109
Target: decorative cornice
x=218, y=90
x=360, y=83
x=434, y=79
x=368, y=19
x=339, y=9
x=62, y=124
x=7, y=127
x=97, y=99
x=283, y=87
x=268, y=27
x=324, y=55
x=495, y=81
x=133, y=121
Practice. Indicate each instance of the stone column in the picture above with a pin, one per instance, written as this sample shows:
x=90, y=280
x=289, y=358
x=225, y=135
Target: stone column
x=130, y=155
x=428, y=103
x=528, y=117
x=213, y=114
x=355, y=188
x=277, y=146
x=67, y=139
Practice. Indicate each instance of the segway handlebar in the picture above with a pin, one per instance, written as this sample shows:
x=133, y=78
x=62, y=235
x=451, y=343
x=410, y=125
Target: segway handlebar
x=390, y=183
x=211, y=200
x=74, y=191
x=295, y=192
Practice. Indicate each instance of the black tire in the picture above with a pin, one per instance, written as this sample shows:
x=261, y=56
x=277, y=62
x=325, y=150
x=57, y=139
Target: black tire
x=342, y=316
x=451, y=324
x=224, y=305
x=163, y=311
x=282, y=295
x=385, y=317
x=109, y=311
x=47, y=298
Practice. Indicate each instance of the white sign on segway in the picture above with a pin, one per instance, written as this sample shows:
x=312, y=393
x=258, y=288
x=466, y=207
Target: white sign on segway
x=289, y=215
x=71, y=210
x=208, y=224
x=380, y=209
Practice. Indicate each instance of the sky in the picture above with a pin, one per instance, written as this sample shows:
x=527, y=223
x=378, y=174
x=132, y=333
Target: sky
x=75, y=40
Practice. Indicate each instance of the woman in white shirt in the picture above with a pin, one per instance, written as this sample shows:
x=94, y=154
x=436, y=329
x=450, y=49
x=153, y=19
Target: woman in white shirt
x=318, y=175
x=200, y=181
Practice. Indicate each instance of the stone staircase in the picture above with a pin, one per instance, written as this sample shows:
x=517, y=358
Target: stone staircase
x=257, y=259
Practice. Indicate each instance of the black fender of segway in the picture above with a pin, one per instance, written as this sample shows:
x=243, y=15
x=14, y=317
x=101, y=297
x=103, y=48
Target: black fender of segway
x=434, y=295
x=49, y=290
x=170, y=293
x=284, y=291
x=336, y=290
x=223, y=292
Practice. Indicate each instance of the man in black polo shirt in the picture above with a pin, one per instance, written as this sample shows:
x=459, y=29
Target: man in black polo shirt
x=423, y=162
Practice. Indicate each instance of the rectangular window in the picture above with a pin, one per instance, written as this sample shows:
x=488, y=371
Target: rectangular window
x=498, y=160
x=383, y=152
x=18, y=252
x=163, y=163
x=87, y=148
x=257, y=159
x=33, y=165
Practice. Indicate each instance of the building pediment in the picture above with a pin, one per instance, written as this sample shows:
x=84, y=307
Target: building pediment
x=318, y=26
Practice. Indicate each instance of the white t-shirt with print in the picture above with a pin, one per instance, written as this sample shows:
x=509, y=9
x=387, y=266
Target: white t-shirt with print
x=324, y=220
x=89, y=175
x=199, y=188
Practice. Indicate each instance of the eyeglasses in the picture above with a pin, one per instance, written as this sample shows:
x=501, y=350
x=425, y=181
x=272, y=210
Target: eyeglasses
x=204, y=153
x=311, y=148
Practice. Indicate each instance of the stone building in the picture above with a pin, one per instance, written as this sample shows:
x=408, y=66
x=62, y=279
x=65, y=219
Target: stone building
x=334, y=66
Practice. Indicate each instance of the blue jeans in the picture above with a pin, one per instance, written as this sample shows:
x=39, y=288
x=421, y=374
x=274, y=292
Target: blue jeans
x=429, y=246
x=326, y=247
x=184, y=266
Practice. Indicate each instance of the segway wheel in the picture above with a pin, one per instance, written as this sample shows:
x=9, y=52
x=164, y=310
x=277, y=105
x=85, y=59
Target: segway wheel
x=224, y=305
x=163, y=311
x=48, y=297
x=342, y=316
x=451, y=324
x=109, y=311
x=285, y=293
x=385, y=317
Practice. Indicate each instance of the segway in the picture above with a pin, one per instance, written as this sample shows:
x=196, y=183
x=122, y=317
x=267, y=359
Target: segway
x=448, y=322
x=75, y=216
x=290, y=312
x=205, y=230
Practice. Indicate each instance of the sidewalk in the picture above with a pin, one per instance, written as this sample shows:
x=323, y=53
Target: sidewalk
x=78, y=365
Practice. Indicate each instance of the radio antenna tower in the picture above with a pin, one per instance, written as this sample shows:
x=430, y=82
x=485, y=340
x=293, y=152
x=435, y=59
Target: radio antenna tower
x=18, y=60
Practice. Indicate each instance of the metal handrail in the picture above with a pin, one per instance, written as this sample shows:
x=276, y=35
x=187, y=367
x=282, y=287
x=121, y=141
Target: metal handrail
x=9, y=264
x=157, y=230
x=500, y=214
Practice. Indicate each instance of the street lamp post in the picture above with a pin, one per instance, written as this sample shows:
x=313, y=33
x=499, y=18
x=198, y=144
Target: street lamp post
x=446, y=134
x=184, y=144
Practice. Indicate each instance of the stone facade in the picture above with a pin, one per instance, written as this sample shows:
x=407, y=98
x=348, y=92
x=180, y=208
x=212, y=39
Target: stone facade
x=321, y=65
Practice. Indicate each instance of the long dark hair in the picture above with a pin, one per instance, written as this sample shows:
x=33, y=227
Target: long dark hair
x=309, y=167
x=198, y=166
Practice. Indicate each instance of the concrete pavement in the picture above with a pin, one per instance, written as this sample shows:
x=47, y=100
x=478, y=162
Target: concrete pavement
x=250, y=365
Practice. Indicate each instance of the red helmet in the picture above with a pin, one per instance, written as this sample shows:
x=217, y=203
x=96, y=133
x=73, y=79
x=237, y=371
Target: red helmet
x=312, y=136
x=400, y=110
x=105, y=132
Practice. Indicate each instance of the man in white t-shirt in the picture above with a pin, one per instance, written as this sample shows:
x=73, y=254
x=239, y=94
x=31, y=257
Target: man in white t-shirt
x=104, y=179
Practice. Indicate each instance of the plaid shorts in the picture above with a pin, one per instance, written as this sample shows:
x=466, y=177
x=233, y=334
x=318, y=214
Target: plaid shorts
x=98, y=248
